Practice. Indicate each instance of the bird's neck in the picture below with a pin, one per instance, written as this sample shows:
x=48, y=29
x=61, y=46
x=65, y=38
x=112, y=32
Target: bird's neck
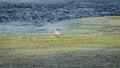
x=55, y=30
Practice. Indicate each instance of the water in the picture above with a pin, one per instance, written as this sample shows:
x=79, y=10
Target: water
x=44, y=17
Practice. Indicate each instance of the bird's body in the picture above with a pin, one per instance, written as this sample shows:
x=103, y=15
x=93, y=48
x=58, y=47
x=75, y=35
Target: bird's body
x=56, y=33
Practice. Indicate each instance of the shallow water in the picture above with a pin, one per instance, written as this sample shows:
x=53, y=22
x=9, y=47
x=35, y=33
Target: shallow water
x=44, y=17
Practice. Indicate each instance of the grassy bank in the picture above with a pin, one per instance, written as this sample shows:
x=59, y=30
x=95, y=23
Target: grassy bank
x=89, y=43
x=7, y=40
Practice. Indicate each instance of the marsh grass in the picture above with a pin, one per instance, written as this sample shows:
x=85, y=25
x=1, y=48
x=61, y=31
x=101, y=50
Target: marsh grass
x=83, y=46
x=94, y=25
x=38, y=40
x=51, y=52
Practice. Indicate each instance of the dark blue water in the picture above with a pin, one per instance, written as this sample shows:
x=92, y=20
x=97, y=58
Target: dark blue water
x=33, y=17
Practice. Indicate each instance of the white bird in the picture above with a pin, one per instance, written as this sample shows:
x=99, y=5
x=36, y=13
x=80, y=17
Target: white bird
x=57, y=34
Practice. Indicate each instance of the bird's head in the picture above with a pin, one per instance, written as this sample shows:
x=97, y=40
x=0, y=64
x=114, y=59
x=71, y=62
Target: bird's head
x=56, y=29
